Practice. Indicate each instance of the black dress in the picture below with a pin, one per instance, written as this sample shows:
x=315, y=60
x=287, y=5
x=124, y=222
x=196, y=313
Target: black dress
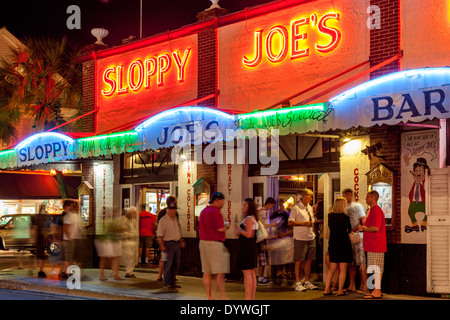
x=340, y=248
x=248, y=251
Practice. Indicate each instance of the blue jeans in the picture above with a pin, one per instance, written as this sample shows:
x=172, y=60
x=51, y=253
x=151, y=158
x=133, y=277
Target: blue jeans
x=172, y=264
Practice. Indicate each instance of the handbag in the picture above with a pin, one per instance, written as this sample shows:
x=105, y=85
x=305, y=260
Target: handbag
x=261, y=233
x=354, y=238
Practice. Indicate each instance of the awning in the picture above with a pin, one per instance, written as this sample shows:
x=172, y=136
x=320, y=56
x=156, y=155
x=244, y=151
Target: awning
x=35, y=186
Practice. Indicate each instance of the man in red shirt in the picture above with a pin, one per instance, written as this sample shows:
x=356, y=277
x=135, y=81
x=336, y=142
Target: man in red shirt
x=214, y=256
x=374, y=242
x=147, y=226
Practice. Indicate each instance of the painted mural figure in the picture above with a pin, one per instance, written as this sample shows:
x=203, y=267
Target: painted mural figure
x=417, y=195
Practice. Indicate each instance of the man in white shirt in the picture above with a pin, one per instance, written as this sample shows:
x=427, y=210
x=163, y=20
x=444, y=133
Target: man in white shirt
x=302, y=219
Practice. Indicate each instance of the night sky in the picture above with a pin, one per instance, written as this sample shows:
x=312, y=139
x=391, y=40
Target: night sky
x=121, y=17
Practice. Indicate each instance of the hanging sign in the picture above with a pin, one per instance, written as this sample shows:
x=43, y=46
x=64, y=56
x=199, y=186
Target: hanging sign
x=412, y=95
x=183, y=126
x=44, y=147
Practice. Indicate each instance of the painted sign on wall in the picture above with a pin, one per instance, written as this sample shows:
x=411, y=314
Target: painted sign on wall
x=419, y=153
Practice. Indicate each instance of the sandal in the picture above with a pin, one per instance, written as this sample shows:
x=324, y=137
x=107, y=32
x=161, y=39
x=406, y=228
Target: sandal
x=369, y=296
x=344, y=293
x=328, y=293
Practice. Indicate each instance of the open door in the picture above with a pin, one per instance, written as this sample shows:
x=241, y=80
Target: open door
x=438, y=230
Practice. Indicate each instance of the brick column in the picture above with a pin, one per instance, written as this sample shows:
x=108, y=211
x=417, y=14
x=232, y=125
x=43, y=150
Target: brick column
x=385, y=42
x=207, y=58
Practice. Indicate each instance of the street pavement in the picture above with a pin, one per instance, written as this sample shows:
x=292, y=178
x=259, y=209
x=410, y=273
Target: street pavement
x=146, y=287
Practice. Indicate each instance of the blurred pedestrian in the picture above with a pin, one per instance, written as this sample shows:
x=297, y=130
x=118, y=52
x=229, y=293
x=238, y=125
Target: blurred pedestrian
x=357, y=216
x=263, y=256
x=374, y=242
x=170, y=242
x=302, y=220
x=22, y=235
x=340, y=248
x=248, y=249
x=147, y=228
x=281, y=248
x=130, y=241
x=40, y=223
x=69, y=205
x=72, y=235
x=214, y=256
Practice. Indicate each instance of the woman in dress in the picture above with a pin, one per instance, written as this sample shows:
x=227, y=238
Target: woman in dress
x=248, y=249
x=339, y=247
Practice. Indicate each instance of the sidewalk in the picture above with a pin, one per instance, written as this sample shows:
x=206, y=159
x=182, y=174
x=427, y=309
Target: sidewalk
x=145, y=286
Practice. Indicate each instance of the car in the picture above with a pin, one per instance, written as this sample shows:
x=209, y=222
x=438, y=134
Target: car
x=17, y=232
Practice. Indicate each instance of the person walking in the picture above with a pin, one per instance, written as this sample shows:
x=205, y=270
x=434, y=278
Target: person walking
x=357, y=215
x=130, y=241
x=248, y=249
x=302, y=220
x=339, y=248
x=214, y=256
x=147, y=227
x=170, y=243
x=263, y=256
x=374, y=242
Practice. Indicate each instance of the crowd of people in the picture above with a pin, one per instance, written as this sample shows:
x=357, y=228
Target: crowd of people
x=272, y=240
x=299, y=230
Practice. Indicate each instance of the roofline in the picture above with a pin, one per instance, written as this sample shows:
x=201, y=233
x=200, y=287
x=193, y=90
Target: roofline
x=195, y=28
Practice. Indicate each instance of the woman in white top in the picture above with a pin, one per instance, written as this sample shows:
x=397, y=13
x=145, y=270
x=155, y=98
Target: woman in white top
x=248, y=249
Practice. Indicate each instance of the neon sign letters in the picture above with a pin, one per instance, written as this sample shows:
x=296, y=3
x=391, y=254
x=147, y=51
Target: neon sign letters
x=122, y=79
x=289, y=40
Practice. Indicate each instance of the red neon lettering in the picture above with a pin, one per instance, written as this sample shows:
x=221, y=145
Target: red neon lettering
x=334, y=33
x=150, y=70
x=181, y=63
x=164, y=64
x=297, y=37
x=283, y=40
x=258, y=51
x=131, y=75
x=109, y=81
x=120, y=88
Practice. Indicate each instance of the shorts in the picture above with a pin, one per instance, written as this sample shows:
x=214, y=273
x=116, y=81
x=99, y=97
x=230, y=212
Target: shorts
x=358, y=254
x=214, y=257
x=263, y=256
x=146, y=241
x=375, y=262
x=304, y=250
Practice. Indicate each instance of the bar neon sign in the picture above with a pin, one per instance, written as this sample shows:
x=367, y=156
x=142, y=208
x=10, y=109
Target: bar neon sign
x=281, y=42
x=137, y=76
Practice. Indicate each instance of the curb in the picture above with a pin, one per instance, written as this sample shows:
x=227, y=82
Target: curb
x=30, y=287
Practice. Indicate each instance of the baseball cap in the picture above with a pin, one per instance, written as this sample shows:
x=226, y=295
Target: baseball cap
x=171, y=202
x=216, y=196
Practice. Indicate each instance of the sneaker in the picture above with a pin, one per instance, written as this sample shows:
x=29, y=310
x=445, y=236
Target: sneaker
x=308, y=285
x=262, y=281
x=299, y=287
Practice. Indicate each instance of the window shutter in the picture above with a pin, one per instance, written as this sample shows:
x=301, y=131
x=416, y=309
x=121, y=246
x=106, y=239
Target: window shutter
x=438, y=231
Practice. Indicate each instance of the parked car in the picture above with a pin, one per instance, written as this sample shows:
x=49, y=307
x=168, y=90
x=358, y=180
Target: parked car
x=11, y=228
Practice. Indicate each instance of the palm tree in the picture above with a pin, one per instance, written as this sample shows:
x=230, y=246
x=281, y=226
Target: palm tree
x=39, y=79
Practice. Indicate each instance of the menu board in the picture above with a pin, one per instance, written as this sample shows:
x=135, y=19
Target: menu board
x=385, y=200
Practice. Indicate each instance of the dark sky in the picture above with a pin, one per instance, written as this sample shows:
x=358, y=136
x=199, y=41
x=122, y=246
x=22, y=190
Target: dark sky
x=121, y=17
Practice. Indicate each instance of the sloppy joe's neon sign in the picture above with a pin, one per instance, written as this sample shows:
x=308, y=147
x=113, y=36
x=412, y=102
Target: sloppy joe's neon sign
x=138, y=75
x=290, y=40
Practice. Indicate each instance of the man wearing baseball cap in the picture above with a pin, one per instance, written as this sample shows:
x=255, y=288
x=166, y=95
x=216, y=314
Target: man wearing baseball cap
x=214, y=256
x=170, y=243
